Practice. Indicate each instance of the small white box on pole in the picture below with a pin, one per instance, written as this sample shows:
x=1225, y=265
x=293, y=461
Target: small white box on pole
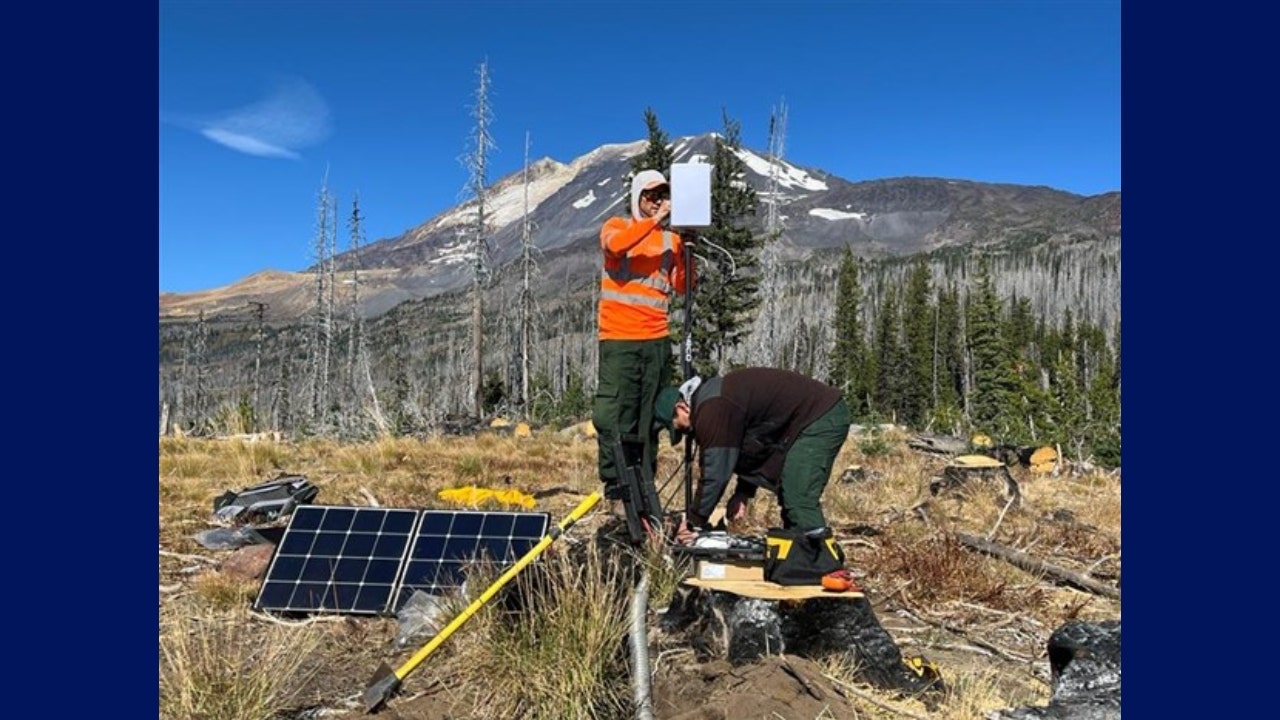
x=690, y=195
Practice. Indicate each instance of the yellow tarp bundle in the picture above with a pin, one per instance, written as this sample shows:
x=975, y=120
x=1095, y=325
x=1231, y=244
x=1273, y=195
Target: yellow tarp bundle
x=473, y=496
x=976, y=461
x=1044, y=459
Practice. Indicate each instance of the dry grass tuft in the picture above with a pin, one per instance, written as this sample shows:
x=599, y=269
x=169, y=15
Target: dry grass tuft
x=213, y=668
x=559, y=655
x=971, y=694
x=666, y=571
x=940, y=569
x=974, y=694
x=222, y=592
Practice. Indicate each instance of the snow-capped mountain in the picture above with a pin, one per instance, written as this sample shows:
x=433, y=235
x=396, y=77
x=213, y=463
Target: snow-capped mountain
x=568, y=203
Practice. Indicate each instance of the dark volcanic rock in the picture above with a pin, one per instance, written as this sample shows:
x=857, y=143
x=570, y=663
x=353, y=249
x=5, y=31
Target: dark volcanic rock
x=1085, y=661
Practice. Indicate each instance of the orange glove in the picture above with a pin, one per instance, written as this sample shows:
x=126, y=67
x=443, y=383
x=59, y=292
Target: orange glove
x=840, y=581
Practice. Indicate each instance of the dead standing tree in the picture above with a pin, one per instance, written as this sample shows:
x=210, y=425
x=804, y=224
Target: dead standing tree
x=331, y=275
x=359, y=375
x=259, y=310
x=196, y=359
x=321, y=325
x=476, y=162
x=763, y=349
x=527, y=267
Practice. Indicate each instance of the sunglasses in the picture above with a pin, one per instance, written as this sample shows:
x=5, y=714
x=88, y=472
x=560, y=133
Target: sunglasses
x=656, y=195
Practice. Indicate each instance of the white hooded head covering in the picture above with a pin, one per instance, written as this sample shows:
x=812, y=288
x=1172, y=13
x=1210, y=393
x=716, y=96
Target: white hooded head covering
x=689, y=387
x=644, y=180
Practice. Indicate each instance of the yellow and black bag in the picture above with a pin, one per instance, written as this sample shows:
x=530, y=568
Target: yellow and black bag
x=797, y=557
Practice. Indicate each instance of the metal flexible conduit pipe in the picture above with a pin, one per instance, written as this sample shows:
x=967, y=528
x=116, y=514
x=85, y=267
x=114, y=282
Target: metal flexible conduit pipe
x=640, y=678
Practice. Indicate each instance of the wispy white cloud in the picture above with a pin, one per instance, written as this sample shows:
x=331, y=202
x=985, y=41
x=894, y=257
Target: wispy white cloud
x=292, y=117
x=247, y=144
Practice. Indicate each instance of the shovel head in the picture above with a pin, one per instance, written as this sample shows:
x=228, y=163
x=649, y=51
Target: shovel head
x=382, y=686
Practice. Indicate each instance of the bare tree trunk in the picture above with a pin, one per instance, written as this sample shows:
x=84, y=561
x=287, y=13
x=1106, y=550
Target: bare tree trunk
x=477, y=163
x=202, y=334
x=330, y=276
x=358, y=370
x=259, y=310
x=526, y=289
x=319, y=328
x=355, y=338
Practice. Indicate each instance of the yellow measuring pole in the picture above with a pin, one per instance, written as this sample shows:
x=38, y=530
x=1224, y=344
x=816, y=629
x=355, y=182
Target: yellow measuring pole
x=385, y=684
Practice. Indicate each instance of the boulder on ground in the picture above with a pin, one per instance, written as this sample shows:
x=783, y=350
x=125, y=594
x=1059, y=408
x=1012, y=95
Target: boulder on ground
x=1084, y=659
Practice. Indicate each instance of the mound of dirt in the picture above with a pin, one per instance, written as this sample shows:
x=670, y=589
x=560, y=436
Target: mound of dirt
x=776, y=686
x=771, y=687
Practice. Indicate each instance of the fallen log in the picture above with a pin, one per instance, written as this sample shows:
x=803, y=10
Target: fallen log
x=938, y=444
x=1032, y=565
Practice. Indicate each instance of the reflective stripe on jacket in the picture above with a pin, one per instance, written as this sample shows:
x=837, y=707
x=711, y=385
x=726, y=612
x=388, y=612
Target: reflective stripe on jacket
x=643, y=267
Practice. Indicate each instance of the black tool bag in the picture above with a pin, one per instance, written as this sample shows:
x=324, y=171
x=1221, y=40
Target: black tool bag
x=636, y=490
x=799, y=557
x=268, y=501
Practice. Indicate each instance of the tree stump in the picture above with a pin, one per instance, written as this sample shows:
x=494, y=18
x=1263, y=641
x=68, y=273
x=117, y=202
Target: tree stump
x=959, y=475
x=723, y=625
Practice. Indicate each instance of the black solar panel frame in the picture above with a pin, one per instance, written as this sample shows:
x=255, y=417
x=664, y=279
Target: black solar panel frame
x=465, y=532
x=323, y=576
x=317, y=577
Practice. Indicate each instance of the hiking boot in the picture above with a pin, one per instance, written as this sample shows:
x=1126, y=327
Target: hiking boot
x=840, y=581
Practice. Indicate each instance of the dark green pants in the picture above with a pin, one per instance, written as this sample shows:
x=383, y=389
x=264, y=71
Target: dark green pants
x=630, y=373
x=807, y=468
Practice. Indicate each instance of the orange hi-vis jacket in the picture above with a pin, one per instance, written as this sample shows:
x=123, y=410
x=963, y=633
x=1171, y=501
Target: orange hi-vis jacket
x=643, y=267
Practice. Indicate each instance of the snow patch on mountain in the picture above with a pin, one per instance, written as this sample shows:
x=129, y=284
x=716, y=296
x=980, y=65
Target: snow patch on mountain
x=506, y=204
x=789, y=175
x=585, y=200
x=829, y=214
x=453, y=254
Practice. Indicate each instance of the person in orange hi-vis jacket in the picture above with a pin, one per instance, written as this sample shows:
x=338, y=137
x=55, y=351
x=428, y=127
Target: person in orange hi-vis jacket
x=643, y=269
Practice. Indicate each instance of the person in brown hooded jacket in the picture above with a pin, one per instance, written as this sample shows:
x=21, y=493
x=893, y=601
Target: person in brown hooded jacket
x=773, y=429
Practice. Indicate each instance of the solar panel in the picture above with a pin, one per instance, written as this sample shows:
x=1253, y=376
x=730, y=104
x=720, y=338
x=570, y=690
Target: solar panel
x=338, y=559
x=447, y=541
x=363, y=560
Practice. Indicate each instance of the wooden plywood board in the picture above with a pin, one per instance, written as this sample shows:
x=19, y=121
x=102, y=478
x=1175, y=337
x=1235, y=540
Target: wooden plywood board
x=771, y=591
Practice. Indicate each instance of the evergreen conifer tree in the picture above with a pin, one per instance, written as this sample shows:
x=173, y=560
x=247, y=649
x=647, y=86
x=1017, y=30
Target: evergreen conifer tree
x=889, y=364
x=991, y=399
x=917, y=335
x=1104, y=404
x=1067, y=405
x=728, y=289
x=657, y=155
x=949, y=359
x=848, y=356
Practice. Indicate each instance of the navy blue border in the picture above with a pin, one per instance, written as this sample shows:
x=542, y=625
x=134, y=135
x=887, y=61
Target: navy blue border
x=1199, y=296
x=81, y=270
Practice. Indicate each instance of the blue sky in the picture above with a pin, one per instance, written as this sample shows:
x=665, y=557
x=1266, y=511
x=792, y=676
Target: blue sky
x=259, y=100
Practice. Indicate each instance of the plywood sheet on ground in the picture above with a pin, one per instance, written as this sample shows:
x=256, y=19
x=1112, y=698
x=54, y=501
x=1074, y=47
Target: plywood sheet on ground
x=770, y=591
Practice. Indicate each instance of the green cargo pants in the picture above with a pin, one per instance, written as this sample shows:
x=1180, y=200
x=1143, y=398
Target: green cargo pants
x=630, y=373
x=807, y=468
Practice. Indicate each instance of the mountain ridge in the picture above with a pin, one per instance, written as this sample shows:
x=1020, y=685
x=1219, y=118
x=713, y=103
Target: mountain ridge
x=881, y=218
